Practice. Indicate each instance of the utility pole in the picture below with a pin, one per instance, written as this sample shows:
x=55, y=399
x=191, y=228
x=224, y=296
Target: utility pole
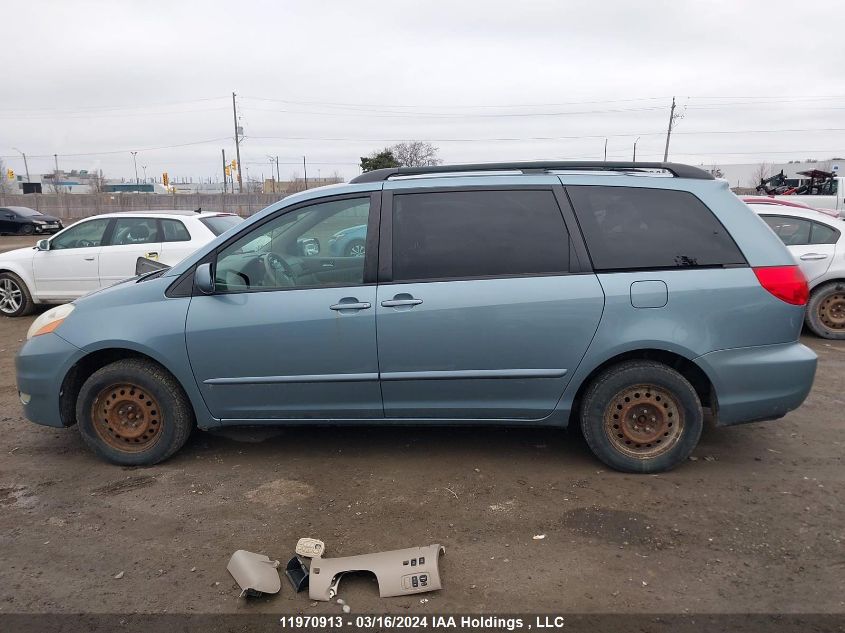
x=144, y=167
x=225, y=183
x=56, y=159
x=635, y=149
x=237, y=145
x=305, y=171
x=669, y=131
x=135, y=160
x=278, y=178
x=605, y=149
x=272, y=160
x=25, y=164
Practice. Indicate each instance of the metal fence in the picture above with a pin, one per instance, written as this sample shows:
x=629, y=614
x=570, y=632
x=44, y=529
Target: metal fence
x=83, y=205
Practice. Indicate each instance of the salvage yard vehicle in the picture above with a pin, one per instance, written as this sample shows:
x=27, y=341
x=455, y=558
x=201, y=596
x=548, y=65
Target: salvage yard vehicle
x=817, y=243
x=26, y=221
x=100, y=251
x=624, y=297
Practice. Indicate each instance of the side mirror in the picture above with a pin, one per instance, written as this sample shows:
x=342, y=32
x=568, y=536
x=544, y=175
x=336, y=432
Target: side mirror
x=308, y=246
x=203, y=280
x=43, y=245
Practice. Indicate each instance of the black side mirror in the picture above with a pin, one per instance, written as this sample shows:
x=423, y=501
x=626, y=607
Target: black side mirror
x=203, y=280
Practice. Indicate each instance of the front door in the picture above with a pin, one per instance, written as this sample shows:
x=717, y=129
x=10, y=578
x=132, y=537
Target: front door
x=71, y=267
x=481, y=318
x=130, y=239
x=289, y=332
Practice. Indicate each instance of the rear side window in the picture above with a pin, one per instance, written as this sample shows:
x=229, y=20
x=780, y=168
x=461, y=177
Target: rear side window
x=175, y=231
x=447, y=235
x=632, y=228
x=801, y=231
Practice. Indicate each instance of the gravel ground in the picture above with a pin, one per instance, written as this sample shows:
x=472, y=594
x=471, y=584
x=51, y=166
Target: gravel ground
x=753, y=523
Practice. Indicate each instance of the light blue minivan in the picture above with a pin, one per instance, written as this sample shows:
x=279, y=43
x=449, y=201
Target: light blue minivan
x=633, y=299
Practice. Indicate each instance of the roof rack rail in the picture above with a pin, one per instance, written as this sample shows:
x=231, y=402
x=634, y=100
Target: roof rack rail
x=676, y=169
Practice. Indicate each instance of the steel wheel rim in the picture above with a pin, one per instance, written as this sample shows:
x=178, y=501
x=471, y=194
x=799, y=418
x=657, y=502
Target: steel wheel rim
x=644, y=421
x=127, y=418
x=832, y=311
x=11, y=296
x=358, y=250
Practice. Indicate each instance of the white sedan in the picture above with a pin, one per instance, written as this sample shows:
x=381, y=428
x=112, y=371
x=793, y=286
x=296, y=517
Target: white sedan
x=100, y=251
x=817, y=241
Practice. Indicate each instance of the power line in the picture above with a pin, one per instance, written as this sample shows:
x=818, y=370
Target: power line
x=112, y=107
x=122, y=151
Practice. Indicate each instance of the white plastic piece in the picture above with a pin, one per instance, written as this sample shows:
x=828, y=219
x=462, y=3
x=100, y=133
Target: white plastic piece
x=310, y=547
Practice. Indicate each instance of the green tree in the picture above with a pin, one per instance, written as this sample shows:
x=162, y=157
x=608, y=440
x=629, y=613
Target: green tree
x=379, y=160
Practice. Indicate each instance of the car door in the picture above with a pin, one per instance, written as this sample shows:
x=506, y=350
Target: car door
x=130, y=238
x=811, y=243
x=280, y=338
x=176, y=242
x=483, y=312
x=70, y=268
x=8, y=221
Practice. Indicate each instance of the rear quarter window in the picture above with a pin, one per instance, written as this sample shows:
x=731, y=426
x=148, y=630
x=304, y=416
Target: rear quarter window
x=219, y=224
x=639, y=228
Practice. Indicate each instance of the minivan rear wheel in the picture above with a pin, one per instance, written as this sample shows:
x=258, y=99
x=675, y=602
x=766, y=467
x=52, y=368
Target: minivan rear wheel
x=641, y=416
x=133, y=413
x=826, y=311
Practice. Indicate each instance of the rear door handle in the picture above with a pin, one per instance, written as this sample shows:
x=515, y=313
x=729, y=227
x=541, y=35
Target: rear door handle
x=813, y=256
x=352, y=305
x=395, y=303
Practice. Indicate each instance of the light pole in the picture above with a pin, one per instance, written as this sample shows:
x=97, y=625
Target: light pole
x=272, y=179
x=135, y=160
x=635, y=149
x=25, y=165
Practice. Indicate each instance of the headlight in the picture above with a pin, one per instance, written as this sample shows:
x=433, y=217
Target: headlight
x=49, y=321
x=39, y=222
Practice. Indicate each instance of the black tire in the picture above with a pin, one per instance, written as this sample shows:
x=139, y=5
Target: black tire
x=27, y=305
x=27, y=229
x=664, y=424
x=355, y=248
x=825, y=315
x=123, y=385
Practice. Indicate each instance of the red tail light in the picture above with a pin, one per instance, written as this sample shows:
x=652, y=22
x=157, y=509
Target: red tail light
x=787, y=283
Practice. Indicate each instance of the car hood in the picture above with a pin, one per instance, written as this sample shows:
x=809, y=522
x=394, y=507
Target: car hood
x=45, y=218
x=17, y=255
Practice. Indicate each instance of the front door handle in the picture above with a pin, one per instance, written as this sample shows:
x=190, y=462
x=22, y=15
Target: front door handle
x=395, y=303
x=89, y=259
x=813, y=256
x=350, y=303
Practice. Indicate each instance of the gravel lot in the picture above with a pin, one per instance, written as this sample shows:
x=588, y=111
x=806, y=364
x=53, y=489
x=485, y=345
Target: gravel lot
x=754, y=523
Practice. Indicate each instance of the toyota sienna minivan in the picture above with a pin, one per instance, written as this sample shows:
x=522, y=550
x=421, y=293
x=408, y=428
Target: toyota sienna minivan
x=633, y=299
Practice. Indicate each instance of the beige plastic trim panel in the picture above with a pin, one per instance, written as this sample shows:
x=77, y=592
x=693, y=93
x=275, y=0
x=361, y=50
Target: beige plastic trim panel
x=399, y=572
x=255, y=573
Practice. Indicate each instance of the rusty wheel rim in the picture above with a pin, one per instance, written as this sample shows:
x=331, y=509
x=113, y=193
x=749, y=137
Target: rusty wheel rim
x=643, y=421
x=127, y=418
x=832, y=311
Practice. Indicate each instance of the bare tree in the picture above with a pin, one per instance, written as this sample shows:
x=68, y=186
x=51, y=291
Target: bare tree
x=416, y=154
x=6, y=185
x=763, y=171
x=97, y=182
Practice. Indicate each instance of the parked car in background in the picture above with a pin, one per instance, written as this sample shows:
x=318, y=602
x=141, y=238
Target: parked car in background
x=817, y=242
x=26, y=221
x=351, y=242
x=99, y=251
x=629, y=298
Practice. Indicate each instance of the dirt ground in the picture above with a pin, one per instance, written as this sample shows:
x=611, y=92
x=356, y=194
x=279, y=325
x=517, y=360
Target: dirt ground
x=755, y=522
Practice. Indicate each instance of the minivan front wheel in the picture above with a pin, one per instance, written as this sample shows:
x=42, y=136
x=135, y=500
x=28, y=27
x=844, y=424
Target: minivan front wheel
x=641, y=416
x=133, y=413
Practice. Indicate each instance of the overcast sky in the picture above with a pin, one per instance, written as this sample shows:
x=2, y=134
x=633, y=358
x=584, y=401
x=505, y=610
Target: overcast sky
x=484, y=80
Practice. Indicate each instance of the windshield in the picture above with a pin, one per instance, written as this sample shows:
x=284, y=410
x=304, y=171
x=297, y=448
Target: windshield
x=25, y=212
x=218, y=224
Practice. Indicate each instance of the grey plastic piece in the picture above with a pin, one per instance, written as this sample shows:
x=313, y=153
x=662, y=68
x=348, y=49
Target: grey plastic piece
x=255, y=573
x=398, y=572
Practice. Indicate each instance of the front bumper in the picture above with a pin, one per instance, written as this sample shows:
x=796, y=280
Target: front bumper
x=759, y=383
x=41, y=366
x=43, y=228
